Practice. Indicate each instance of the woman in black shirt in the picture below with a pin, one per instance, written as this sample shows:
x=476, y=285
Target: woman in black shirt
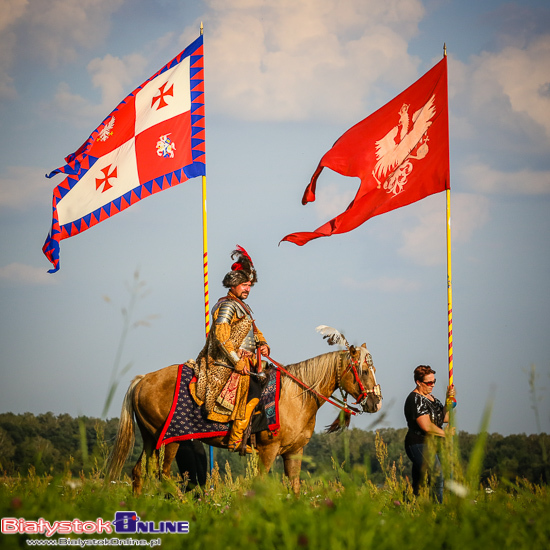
x=425, y=416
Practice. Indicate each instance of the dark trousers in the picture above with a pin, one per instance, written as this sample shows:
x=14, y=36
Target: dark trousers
x=419, y=456
x=191, y=459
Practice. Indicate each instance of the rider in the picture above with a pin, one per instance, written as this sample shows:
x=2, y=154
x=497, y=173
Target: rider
x=224, y=385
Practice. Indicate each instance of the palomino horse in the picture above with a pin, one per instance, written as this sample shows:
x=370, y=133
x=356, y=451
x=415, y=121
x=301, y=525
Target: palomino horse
x=149, y=397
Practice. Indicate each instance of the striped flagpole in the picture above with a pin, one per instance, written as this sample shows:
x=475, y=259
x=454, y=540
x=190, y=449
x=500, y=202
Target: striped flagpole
x=205, y=271
x=451, y=402
x=449, y=287
x=205, y=267
x=205, y=258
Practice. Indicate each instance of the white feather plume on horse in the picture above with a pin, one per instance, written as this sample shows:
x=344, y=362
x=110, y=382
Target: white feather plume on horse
x=332, y=336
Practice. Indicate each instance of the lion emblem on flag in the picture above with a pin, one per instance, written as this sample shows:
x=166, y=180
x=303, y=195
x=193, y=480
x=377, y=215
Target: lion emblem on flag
x=394, y=151
x=165, y=147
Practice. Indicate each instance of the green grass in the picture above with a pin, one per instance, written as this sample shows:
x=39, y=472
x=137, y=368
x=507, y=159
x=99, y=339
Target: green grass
x=344, y=510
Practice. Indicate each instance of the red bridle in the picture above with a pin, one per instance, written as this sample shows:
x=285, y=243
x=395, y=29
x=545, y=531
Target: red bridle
x=364, y=392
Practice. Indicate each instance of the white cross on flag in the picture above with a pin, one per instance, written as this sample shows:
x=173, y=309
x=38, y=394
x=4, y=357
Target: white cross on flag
x=153, y=140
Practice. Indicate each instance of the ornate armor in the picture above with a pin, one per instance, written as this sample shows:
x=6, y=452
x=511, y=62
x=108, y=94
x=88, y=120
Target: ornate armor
x=225, y=311
x=221, y=385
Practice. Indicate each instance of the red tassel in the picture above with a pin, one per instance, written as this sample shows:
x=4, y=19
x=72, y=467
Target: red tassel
x=339, y=424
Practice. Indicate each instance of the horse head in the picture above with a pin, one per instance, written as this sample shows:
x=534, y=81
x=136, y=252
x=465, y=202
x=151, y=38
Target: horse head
x=358, y=378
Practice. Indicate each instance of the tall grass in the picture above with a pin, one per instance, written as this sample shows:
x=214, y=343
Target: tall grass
x=343, y=510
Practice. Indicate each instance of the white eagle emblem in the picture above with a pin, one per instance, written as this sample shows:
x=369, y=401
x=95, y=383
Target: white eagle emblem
x=107, y=130
x=393, y=151
x=165, y=147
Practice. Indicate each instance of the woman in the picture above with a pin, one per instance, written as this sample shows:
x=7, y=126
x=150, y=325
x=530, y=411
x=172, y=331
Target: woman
x=425, y=416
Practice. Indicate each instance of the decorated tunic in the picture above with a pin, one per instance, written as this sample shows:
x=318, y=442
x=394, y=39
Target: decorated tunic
x=418, y=405
x=221, y=386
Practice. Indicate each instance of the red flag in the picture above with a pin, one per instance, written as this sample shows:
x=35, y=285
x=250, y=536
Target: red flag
x=153, y=140
x=400, y=153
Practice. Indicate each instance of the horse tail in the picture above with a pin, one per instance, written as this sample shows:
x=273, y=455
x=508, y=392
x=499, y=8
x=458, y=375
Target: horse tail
x=126, y=434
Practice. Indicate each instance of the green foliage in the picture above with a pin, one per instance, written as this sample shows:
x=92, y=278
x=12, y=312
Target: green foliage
x=338, y=511
x=47, y=443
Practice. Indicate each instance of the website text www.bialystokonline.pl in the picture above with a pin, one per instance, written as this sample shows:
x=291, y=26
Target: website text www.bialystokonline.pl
x=94, y=542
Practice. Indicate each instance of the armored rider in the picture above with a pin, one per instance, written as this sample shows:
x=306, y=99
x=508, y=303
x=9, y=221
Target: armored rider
x=224, y=386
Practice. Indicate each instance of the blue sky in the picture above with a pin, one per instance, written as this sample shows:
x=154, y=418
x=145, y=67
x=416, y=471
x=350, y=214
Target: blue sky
x=283, y=80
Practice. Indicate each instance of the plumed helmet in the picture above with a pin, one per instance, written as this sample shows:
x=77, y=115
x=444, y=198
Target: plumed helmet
x=241, y=271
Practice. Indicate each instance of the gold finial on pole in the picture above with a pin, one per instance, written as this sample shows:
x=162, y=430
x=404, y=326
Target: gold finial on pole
x=444, y=47
x=202, y=28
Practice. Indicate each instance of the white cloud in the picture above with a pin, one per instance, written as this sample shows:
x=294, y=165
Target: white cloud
x=331, y=200
x=500, y=105
x=50, y=31
x=426, y=242
x=26, y=274
x=113, y=76
x=22, y=186
x=522, y=75
x=485, y=179
x=281, y=59
x=58, y=29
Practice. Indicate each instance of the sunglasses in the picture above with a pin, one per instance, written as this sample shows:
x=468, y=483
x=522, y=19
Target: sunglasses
x=430, y=382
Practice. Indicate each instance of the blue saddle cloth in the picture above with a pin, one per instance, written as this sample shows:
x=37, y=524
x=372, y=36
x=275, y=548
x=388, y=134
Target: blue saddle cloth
x=186, y=421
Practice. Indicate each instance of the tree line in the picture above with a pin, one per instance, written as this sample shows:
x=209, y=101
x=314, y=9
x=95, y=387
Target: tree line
x=50, y=444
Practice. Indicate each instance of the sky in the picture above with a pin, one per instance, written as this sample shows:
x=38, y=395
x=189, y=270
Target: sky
x=283, y=80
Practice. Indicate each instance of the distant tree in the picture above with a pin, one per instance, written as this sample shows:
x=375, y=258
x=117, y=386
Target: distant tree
x=51, y=444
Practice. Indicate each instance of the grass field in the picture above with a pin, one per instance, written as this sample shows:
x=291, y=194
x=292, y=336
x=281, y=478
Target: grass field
x=344, y=510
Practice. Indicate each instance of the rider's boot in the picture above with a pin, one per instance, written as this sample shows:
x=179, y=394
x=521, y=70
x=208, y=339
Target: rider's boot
x=239, y=426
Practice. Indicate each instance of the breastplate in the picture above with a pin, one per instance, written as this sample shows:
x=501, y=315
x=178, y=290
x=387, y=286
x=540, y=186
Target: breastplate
x=229, y=309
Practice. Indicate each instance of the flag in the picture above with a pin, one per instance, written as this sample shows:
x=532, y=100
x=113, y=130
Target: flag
x=400, y=153
x=153, y=140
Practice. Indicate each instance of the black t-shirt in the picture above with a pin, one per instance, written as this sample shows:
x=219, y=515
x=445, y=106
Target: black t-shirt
x=417, y=405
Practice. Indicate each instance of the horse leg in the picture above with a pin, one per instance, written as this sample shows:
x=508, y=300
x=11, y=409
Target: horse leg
x=170, y=452
x=293, y=464
x=268, y=450
x=148, y=452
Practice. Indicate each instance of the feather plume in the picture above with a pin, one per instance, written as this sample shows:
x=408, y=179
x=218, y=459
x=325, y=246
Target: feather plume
x=332, y=336
x=245, y=254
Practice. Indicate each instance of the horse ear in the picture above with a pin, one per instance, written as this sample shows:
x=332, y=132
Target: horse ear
x=352, y=350
x=364, y=345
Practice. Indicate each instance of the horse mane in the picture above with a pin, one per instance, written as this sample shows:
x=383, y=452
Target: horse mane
x=312, y=372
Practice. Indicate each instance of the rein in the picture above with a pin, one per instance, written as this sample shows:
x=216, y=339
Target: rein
x=342, y=405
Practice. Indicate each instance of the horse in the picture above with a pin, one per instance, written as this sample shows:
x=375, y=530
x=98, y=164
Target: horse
x=149, y=398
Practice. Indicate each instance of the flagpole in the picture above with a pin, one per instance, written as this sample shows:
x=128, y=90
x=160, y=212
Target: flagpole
x=205, y=271
x=449, y=287
x=449, y=280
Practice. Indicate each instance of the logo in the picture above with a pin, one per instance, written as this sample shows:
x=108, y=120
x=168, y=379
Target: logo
x=12, y=526
x=129, y=522
x=165, y=147
x=394, y=151
x=124, y=523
